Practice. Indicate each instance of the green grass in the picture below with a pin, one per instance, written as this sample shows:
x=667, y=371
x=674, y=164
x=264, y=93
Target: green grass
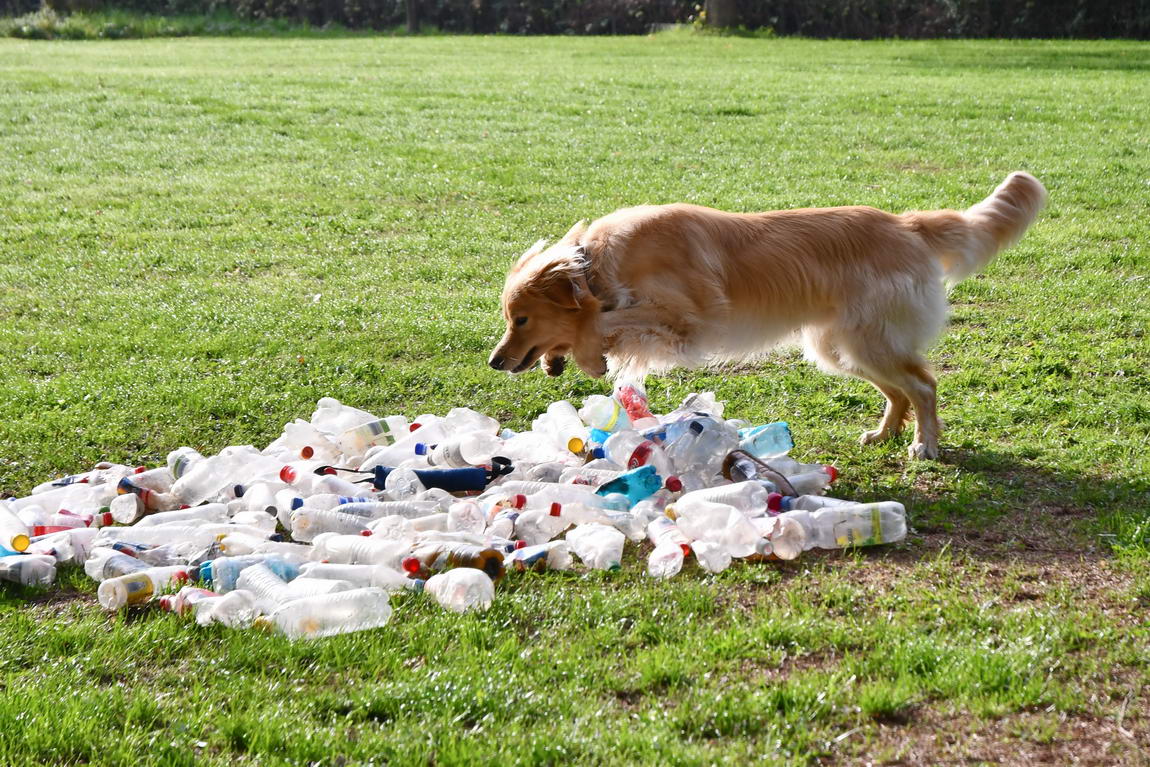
x=201, y=237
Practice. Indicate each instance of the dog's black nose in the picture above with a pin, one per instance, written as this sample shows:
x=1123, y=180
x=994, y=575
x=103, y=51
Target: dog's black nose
x=496, y=363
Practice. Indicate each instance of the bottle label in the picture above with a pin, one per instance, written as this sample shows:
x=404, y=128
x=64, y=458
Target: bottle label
x=139, y=589
x=371, y=433
x=641, y=455
x=854, y=532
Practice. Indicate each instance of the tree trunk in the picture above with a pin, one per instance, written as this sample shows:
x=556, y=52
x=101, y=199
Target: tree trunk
x=412, y=16
x=722, y=13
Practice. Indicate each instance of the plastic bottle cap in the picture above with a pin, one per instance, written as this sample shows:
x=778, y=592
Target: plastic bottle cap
x=598, y=452
x=306, y=452
x=518, y=501
x=674, y=484
x=420, y=448
x=329, y=471
x=206, y=571
x=696, y=427
x=670, y=512
x=139, y=469
x=520, y=544
x=287, y=474
x=166, y=603
x=774, y=501
x=366, y=533
x=20, y=542
x=184, y=506
x=575, y=445
x=414, y=426
x=239, y=491
x=686, y=547
x=411, y=565
x=555, y=509
x=831, y=471
x=296, y=503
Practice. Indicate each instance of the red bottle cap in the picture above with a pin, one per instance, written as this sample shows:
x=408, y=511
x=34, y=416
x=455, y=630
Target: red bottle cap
x=414, y=426
x=774, y=501
x=521, y=544
x=674, y=484
x=139, y=469
x=519, y=501
x=366, y=533
x=411, y=565
x=555, y=509
x=686, y=547
x=307, y=451
x=167, y=603
x=287, y=474
x=831, y=471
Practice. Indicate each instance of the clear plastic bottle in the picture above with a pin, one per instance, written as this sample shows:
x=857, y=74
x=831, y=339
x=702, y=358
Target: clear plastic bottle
x=605, y=414
x=766, y=441
x=184, y=601
x=712, y=557
x=126, y=509
x=265, y=584
x=699, y=444
x=562, y=424
x=307, y=523
x=581, y=475
x=599, y=546
x=361, y=576
x=630, y=449
x=865, y=524
x=182, y=459
x=331, y=614
x=466, y=516
x=662, y=531
x=717, y=522
x=355, y=441
x=812, y=482
x=749, y=497
x=778, y=502
x=138, y=587
x=236, y=609
x=223, y=573
x=665, y=561
x=633, y=397
x=357, y=549
x=786, y=536
x=13, y=532
x=104, y=563
x=28, y=569
x=475, y=448
x=461, y=589
x=463, y=420
x=208, y=512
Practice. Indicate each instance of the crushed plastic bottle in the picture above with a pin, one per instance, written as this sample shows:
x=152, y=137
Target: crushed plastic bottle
x=461, y=589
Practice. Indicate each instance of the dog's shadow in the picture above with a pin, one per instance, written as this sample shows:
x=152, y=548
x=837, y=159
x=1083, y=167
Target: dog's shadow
x=997, y=506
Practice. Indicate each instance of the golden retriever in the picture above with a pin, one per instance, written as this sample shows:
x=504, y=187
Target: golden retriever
x=648, y=288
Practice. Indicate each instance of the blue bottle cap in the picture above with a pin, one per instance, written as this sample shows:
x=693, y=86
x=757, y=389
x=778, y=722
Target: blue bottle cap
x=206, y=571
x=420, y=448
x=417, y=584
x=296, y=503
x=239, y=491
x=598, y=452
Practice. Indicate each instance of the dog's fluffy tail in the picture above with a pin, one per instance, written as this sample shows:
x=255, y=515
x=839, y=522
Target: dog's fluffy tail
x=965, y=242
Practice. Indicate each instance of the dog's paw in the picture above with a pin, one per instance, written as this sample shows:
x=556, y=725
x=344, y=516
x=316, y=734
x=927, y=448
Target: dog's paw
x=920, y=451
x=554, y=365
x=876, y=435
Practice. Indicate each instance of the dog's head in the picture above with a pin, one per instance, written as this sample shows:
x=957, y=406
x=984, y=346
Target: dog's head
x=549, y=309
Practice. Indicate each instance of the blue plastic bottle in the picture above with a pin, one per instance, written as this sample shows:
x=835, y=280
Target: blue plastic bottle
x=767, y=440
x=636, y=484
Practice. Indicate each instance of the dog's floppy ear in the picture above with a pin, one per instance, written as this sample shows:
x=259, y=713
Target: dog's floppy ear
x=564, y=291
x=574, y=233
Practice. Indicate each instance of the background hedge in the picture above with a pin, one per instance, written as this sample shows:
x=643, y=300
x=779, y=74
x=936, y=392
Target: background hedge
x=813, y=18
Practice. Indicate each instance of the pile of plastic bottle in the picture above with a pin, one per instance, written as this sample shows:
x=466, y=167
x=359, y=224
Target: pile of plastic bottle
x=311, y=535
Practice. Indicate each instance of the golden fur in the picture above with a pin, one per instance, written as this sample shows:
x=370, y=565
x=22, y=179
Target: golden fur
x=652, y=287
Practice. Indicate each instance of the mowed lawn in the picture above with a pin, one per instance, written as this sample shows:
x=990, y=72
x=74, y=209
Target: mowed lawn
x=199, y=238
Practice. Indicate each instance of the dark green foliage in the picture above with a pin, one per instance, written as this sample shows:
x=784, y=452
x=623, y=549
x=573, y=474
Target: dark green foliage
x=813, y=18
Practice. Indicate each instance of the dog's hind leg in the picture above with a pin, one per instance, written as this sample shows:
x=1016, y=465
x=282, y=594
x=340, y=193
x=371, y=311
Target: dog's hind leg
x=819, y=347
x=893, y=418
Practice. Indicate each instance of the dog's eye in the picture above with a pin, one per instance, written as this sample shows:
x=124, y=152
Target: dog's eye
x=520, y=320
